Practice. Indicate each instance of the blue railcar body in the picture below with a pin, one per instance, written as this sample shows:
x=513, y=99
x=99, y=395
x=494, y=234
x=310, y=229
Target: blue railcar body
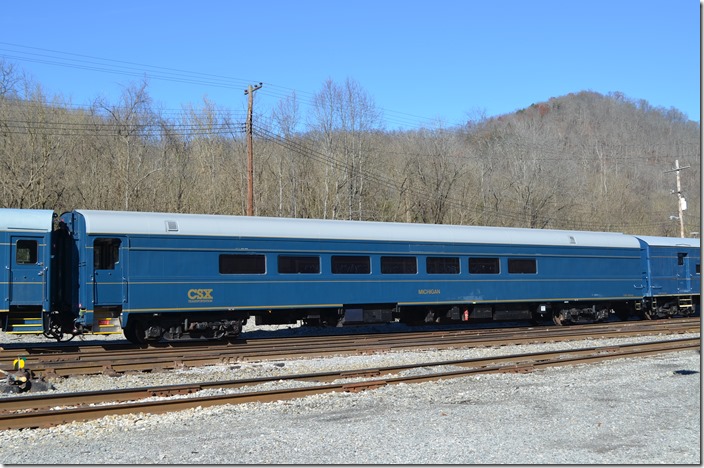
x=671, y=265
x=26, y=273
x=156, y=275
x=671, y=269
x=172, y=264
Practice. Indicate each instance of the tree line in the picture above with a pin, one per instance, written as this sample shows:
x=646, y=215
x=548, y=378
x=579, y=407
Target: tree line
x=581, y=161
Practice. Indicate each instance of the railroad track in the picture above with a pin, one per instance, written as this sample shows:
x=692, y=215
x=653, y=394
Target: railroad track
x=114, y=359
x=33, y=411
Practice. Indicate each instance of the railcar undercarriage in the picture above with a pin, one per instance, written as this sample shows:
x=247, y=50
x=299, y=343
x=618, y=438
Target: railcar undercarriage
x=666, y=307
x=581, y=313
x=152, y=328
x=144, y=328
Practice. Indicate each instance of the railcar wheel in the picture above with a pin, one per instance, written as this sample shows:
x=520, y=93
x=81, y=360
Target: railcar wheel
x=134, y=332
x=622, y=315
x=557, y=319
x=237, y=327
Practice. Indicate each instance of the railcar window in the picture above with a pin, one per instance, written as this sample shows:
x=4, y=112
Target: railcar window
x=399, y=265
x=680, y=258
x=26, y=252
x=298, y=264
x=484, y=266
x=442, y=265
x=353, y=264
x=239, y=264
x=106, y=253
x=522, y=265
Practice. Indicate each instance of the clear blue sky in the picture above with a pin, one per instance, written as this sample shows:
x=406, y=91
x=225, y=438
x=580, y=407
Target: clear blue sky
x=420, y=61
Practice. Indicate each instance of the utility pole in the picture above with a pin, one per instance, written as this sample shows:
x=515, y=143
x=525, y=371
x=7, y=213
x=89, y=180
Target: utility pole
x=681, y=202
x=250, y=154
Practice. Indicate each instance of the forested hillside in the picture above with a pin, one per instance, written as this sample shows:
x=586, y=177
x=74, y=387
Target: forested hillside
x=580, y=161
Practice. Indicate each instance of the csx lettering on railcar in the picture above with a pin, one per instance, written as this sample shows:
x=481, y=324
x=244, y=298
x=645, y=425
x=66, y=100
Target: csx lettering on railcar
x=200, y=295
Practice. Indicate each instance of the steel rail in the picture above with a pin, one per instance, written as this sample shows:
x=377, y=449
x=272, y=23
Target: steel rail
x=61, y=352
x=108, y=361
x=30, y=350
x=24, y=413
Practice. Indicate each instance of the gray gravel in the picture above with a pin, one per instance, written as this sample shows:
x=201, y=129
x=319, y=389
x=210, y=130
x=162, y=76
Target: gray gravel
x=623, y=411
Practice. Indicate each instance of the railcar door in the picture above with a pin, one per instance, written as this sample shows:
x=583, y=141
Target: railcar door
x=109, y=280
x=684, y=278
x=27, y=270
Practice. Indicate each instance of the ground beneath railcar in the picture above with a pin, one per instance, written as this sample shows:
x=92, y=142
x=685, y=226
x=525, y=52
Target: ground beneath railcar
x=251, y=331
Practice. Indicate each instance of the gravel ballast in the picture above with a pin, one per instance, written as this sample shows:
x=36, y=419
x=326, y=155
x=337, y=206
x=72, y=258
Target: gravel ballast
x=623, y=411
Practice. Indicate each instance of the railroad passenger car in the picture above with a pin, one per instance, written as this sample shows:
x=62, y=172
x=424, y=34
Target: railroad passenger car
x=173, y=275
x=672, y=276
x=25, y=269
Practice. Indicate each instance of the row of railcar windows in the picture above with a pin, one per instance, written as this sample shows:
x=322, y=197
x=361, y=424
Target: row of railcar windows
x=255, y=264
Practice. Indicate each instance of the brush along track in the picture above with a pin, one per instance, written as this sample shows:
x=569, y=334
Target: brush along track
x=113, y=359
x=30, y=412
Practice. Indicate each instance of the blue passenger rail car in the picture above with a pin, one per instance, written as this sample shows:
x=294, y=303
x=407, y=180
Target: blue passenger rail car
x=25, y=269
x=672, y=276
x=169, y=276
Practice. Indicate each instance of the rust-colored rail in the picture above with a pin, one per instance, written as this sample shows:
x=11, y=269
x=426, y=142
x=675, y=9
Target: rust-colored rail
x=110, y=359
x=23, y=412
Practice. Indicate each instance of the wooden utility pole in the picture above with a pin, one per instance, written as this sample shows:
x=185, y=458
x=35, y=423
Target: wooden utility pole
x=250, y=154
x=681, y=202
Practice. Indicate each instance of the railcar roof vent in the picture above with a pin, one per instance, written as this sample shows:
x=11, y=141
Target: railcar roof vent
x=573, y=240
x=171, y=226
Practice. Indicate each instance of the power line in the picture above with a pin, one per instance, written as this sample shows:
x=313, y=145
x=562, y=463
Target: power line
x=232, y=128
x=54, y=57
x=510, y=216
x=113, y=129
x=138, y=70
x=547, y=154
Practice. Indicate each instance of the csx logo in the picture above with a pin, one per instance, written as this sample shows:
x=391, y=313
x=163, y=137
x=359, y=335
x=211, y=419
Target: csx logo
x=200, y=294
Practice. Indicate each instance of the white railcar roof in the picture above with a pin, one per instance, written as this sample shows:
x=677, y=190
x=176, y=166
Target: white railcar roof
x=17, y=219
x=143, y=223
x=670, y=241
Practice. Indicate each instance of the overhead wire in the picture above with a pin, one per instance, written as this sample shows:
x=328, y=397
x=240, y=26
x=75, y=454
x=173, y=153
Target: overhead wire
x=510, y=216
x=126, y=68
x=232, y=128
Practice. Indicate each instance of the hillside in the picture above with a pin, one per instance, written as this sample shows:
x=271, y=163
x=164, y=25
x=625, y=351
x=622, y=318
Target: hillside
x=580, y=161
x=591, y=161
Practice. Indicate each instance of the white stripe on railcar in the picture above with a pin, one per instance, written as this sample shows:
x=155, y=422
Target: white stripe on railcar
x=16, y=219
x=670, y=241
x=144, y=223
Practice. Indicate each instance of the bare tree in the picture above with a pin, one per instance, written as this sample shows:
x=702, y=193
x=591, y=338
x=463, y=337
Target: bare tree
x=345, y=117
x=132, y=122
x=584, y=161
x=9, y=79
x=286, y=118
x=434, y=168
